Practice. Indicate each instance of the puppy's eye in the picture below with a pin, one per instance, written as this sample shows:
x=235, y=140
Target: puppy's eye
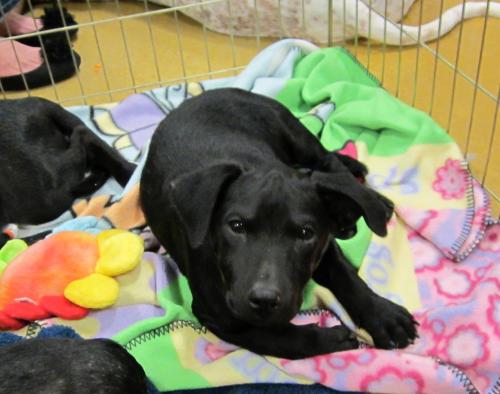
x=306, y=233
x=346, y=232
x=237, y=226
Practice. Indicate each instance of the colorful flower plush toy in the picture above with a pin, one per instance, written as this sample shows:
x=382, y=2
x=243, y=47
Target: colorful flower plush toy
x=63, y=275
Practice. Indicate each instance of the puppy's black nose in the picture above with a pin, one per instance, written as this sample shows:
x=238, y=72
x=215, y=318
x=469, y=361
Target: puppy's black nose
x=264, y=299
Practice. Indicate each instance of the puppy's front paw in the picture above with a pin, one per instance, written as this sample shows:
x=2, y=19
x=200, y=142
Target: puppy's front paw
x=390, y=325
x=340, y=338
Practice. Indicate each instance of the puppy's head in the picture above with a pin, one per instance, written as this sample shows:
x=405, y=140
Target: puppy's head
x=270, y=229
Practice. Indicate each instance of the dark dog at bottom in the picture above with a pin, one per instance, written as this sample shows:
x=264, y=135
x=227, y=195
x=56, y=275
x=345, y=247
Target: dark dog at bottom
x=249, y=204
x=48, y=158
x=69, y=366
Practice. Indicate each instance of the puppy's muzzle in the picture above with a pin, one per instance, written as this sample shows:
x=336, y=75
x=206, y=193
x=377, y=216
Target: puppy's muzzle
x=264, y=300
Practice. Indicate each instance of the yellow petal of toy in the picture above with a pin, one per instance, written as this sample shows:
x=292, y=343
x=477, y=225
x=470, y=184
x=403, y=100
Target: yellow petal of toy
x=119, y=253
x=95, y=291
x=106, y=234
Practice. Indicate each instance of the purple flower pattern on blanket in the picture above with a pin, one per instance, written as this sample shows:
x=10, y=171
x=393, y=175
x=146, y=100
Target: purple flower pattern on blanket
x=133, y=121
x=138, y=116
x=455, y=232
x=405, y=179
x=207, y=352
x=379, y=257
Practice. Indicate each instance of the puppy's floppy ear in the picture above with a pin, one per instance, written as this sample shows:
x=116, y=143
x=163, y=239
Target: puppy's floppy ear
x=347, y=199
x=195, y=194
x=335, y=162
x=354, y=166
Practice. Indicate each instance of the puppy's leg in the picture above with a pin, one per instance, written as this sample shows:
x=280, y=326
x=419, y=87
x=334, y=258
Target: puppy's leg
x=389, y=324
x=91, y=183
x=289, y=341
x=101, y=156
x=79, y=176
x=306, y=150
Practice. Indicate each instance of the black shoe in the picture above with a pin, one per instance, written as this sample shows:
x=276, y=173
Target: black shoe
x=60, y=59
x=52, y=18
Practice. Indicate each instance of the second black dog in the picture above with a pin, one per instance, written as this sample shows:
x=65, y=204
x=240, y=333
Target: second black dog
x=48, y=157
x=249, y=204
x=69, y=366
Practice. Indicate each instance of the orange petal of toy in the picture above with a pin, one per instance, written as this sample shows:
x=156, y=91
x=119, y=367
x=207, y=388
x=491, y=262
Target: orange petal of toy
x=25, y=311
x=8, y=323
x=61, y=307
x=48, y=266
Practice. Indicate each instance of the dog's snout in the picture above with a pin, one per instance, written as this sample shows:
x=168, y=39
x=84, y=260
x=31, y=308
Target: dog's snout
x=264, y=299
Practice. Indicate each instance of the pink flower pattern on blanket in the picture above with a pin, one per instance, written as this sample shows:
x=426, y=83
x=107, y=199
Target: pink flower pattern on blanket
x=467, y=346
x=451, y=180
x=493, y=313
x=457, y=284
x=392, y=378
x=459, y=346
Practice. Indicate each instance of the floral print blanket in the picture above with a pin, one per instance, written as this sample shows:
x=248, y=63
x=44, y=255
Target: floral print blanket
x=440, y=258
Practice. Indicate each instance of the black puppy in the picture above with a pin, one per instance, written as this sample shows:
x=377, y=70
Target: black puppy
x=63, y=366
x=249, y=204
x=47, y=159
